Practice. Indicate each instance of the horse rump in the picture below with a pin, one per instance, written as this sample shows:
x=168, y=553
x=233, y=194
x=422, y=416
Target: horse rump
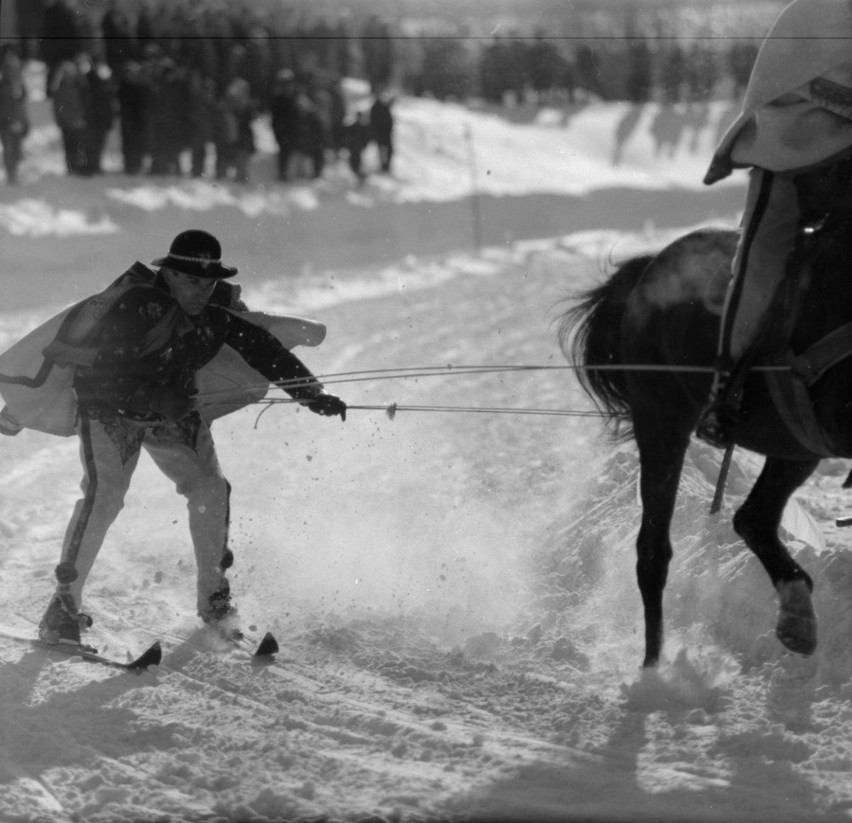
x=589, y=335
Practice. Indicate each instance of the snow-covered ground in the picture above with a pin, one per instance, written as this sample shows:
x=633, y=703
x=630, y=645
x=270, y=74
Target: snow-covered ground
x=453, y=590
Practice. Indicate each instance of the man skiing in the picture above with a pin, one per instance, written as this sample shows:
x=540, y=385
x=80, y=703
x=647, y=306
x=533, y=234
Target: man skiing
x=796, y=118
x=135, y=381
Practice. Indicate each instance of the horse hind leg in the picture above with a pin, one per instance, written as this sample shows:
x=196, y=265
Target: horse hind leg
x=661, y=458
x=757, y=522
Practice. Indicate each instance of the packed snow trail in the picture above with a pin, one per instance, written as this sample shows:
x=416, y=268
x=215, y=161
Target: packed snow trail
x=454, y=594
x=457, y=611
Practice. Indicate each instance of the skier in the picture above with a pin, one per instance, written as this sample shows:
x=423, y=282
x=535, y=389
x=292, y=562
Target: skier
x=796, y=117
x=135, y=380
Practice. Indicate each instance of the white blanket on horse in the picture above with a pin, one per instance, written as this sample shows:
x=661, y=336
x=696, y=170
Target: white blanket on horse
x=786, y=123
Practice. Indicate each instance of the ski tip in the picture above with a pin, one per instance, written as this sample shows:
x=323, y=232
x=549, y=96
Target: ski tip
x=267, y=647
x=150, y=657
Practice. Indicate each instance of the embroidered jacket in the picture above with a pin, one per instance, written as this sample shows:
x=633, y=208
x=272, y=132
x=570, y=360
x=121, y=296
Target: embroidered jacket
x=147, y=344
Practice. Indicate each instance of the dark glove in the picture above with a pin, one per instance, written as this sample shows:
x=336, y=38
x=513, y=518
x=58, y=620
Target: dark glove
x=172, y=404
x=327, y=405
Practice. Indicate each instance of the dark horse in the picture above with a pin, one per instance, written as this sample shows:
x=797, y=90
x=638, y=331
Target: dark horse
x=663, y=311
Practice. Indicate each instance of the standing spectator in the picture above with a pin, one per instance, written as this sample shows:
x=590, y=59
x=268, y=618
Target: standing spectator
x=14, y=120
x=284, y=114
x=201, y=50
x=357, y=135
x=381, y=124
x=61, y=37
x=258, y=64
x=202, y=119
x=588, y=65
x=70, y=94
x=545, y=66
x=169, y=118
x=310, y=138
x=134, y=96
x=101, y=110
x=234, y=135
x=326, y=107
x=337, y=112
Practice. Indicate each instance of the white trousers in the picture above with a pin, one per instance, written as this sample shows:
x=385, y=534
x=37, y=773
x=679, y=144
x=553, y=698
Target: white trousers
x=184, y=452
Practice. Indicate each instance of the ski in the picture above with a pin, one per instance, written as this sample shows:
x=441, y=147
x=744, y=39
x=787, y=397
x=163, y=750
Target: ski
x=150, y=657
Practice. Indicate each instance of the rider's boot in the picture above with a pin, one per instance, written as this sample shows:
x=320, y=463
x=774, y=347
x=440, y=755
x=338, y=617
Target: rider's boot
x=717, y=421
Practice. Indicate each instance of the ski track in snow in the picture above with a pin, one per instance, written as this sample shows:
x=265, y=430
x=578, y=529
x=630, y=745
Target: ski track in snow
x=454, y=593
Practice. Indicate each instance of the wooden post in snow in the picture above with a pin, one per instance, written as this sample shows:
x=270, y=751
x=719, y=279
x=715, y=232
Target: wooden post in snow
x=474, y=199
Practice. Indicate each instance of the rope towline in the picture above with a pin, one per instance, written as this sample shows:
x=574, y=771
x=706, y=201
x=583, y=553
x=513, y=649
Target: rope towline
x=408, y=372
x=392, y=408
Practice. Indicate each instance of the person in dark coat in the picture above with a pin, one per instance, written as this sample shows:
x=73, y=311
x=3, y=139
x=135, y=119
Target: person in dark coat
x=284, y=116
x=311, y=136
x=134, y=103
x=202, y=119
x=101, y=110
x=381, y=123
x=69, y=91
x=234, y=133
x=14, y=116
x=169, y=117
x=60, y=40
x=357, y=136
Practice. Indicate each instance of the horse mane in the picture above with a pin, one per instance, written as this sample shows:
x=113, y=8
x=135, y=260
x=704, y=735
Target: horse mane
x=589, y=334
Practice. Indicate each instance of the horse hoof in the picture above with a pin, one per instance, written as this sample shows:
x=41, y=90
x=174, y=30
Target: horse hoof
x=797, y=623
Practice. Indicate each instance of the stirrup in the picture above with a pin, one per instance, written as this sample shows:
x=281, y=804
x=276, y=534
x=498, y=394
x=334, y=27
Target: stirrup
x=718, y=418
x=712, y=430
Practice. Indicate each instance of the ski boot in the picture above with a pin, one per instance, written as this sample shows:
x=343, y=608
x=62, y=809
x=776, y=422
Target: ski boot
x=62, y=622
x=221, y=613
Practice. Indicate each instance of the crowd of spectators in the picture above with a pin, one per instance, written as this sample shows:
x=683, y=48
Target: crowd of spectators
x=181, y=82
x=184, y=82
x=547, y=69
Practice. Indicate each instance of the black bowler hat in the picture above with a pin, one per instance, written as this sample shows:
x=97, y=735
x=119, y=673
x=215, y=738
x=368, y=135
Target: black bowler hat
x=196, y=252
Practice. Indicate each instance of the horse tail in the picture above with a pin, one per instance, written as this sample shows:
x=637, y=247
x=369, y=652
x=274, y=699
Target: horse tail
x=589, y=335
